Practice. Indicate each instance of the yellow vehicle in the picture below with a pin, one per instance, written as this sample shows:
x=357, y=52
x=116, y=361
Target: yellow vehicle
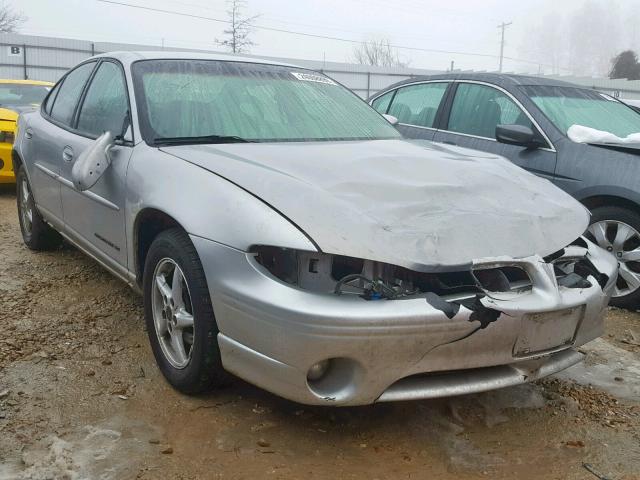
x=15, y=97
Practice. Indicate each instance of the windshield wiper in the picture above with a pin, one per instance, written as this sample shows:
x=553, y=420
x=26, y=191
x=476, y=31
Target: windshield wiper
x=202, y=139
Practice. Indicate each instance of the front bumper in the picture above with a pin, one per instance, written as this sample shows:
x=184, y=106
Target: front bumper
x=272, y=333
x=6, y=165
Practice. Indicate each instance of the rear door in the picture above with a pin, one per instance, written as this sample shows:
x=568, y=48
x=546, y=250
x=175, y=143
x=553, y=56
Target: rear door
x=47, y=135
x=416, y=107
x=471, y=119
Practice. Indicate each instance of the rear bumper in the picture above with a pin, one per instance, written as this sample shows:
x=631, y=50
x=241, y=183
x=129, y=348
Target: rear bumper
x=272, y=333
x=6, y=164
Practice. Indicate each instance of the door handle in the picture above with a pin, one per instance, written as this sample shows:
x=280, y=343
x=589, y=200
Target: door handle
x=67, y=154
x=28, y=133
x=450, y=143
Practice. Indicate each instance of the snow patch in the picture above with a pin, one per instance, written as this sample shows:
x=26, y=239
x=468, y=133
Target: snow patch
x=606, y=363
x=95, y=454
x=582, y=134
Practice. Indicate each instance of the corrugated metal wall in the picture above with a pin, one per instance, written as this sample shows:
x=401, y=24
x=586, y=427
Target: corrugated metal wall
x=47, y=58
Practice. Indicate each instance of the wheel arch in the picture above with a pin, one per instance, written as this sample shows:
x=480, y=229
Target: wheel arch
x=610, y=200
x=149, y=223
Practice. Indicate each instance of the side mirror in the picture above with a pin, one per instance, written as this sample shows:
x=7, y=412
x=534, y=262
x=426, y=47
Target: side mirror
x=92, y=163
x=518, y=135
x=391, y=119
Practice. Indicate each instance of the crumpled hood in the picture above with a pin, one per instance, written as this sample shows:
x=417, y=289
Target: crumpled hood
x=416, y=204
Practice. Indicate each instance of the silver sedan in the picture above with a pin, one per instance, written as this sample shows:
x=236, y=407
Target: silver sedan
x=281, y=230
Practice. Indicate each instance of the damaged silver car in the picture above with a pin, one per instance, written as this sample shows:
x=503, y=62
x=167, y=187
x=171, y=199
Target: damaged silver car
x=281, y=230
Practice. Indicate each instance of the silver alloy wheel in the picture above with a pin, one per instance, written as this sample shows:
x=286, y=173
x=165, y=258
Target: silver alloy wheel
x=624, y=242
x=172, y=313
x=26, y=213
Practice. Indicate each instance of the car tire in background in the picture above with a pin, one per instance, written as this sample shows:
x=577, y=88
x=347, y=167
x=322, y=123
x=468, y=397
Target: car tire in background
x=179, y=315
x=36, y=233
x=617, y=229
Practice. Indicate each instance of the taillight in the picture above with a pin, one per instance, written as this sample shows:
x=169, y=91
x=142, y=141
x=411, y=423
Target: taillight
x=7, y=137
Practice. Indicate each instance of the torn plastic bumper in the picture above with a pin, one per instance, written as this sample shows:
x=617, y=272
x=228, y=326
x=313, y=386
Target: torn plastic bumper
x=274, y=334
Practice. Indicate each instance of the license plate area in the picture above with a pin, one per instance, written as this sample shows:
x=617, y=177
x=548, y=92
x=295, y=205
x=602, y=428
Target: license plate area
x=548, y=331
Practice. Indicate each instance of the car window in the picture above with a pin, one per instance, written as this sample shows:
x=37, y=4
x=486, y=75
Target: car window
x=67, y=98
x=52, y=98
x=381, y=104
x=418, y=104
x=105, y=105
x=567, y=106
x=478, y=109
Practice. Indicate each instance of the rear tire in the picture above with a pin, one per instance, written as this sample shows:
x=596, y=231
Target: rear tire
x=617, y=229
x=36, y=233
x=179, y=315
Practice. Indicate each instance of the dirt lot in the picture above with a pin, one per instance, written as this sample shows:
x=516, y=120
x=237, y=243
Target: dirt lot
x=81, y=398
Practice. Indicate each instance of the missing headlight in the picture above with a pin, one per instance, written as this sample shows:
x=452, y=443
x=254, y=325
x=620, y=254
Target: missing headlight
x=574, y=273
x=337, y=274
x=502, y=279
x=281, y=262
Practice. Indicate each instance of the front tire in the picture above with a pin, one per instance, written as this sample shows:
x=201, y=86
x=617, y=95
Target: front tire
x=179, y=315
x=617, y=230
x=36, y=233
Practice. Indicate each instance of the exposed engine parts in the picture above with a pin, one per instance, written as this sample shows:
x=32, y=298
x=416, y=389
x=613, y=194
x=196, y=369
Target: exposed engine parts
x=340, y=275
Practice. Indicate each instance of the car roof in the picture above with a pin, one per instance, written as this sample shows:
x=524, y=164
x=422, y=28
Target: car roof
x=24, y=82
x=500, y=79
x=128, y=57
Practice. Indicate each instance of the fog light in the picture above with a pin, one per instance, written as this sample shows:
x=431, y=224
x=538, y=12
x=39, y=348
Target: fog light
x=317, y=371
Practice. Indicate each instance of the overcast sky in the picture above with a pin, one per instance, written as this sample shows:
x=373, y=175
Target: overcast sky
x=453, y=25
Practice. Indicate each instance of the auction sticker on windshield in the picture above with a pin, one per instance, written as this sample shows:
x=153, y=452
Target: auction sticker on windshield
x=309, y=77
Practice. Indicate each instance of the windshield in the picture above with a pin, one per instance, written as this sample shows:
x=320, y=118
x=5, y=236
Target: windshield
x=258, y=103
x=22, y=95
x=567, y=106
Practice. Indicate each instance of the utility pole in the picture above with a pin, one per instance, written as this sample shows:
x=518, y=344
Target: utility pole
x=502, y=27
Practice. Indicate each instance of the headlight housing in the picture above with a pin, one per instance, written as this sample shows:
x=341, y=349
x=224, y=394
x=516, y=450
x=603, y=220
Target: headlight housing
x=338, y=274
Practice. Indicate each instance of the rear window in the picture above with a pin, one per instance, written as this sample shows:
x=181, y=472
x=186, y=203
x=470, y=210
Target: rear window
x=22, y=95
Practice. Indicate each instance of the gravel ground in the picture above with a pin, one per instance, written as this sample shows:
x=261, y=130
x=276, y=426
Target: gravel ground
x=81, y=398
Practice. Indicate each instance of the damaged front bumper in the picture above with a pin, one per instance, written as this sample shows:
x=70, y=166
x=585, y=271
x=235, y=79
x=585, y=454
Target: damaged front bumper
x=275, y=335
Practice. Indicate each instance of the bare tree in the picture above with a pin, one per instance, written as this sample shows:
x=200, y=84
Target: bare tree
x=378, y=52
x=581, y=37
x=237, y=35
x=10, y=20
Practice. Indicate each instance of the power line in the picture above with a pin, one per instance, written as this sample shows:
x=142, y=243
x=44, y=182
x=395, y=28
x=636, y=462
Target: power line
x=281, y=30
x=311, y=35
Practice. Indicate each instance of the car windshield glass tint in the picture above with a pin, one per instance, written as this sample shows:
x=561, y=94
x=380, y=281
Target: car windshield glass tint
x=258, y=103
x=22, y=95
x=567, y=106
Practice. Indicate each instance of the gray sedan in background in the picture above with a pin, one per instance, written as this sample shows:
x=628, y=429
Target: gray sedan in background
x=527, y=119
x=280, y=229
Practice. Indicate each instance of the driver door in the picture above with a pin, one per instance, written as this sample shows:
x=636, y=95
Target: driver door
x=95, y=218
